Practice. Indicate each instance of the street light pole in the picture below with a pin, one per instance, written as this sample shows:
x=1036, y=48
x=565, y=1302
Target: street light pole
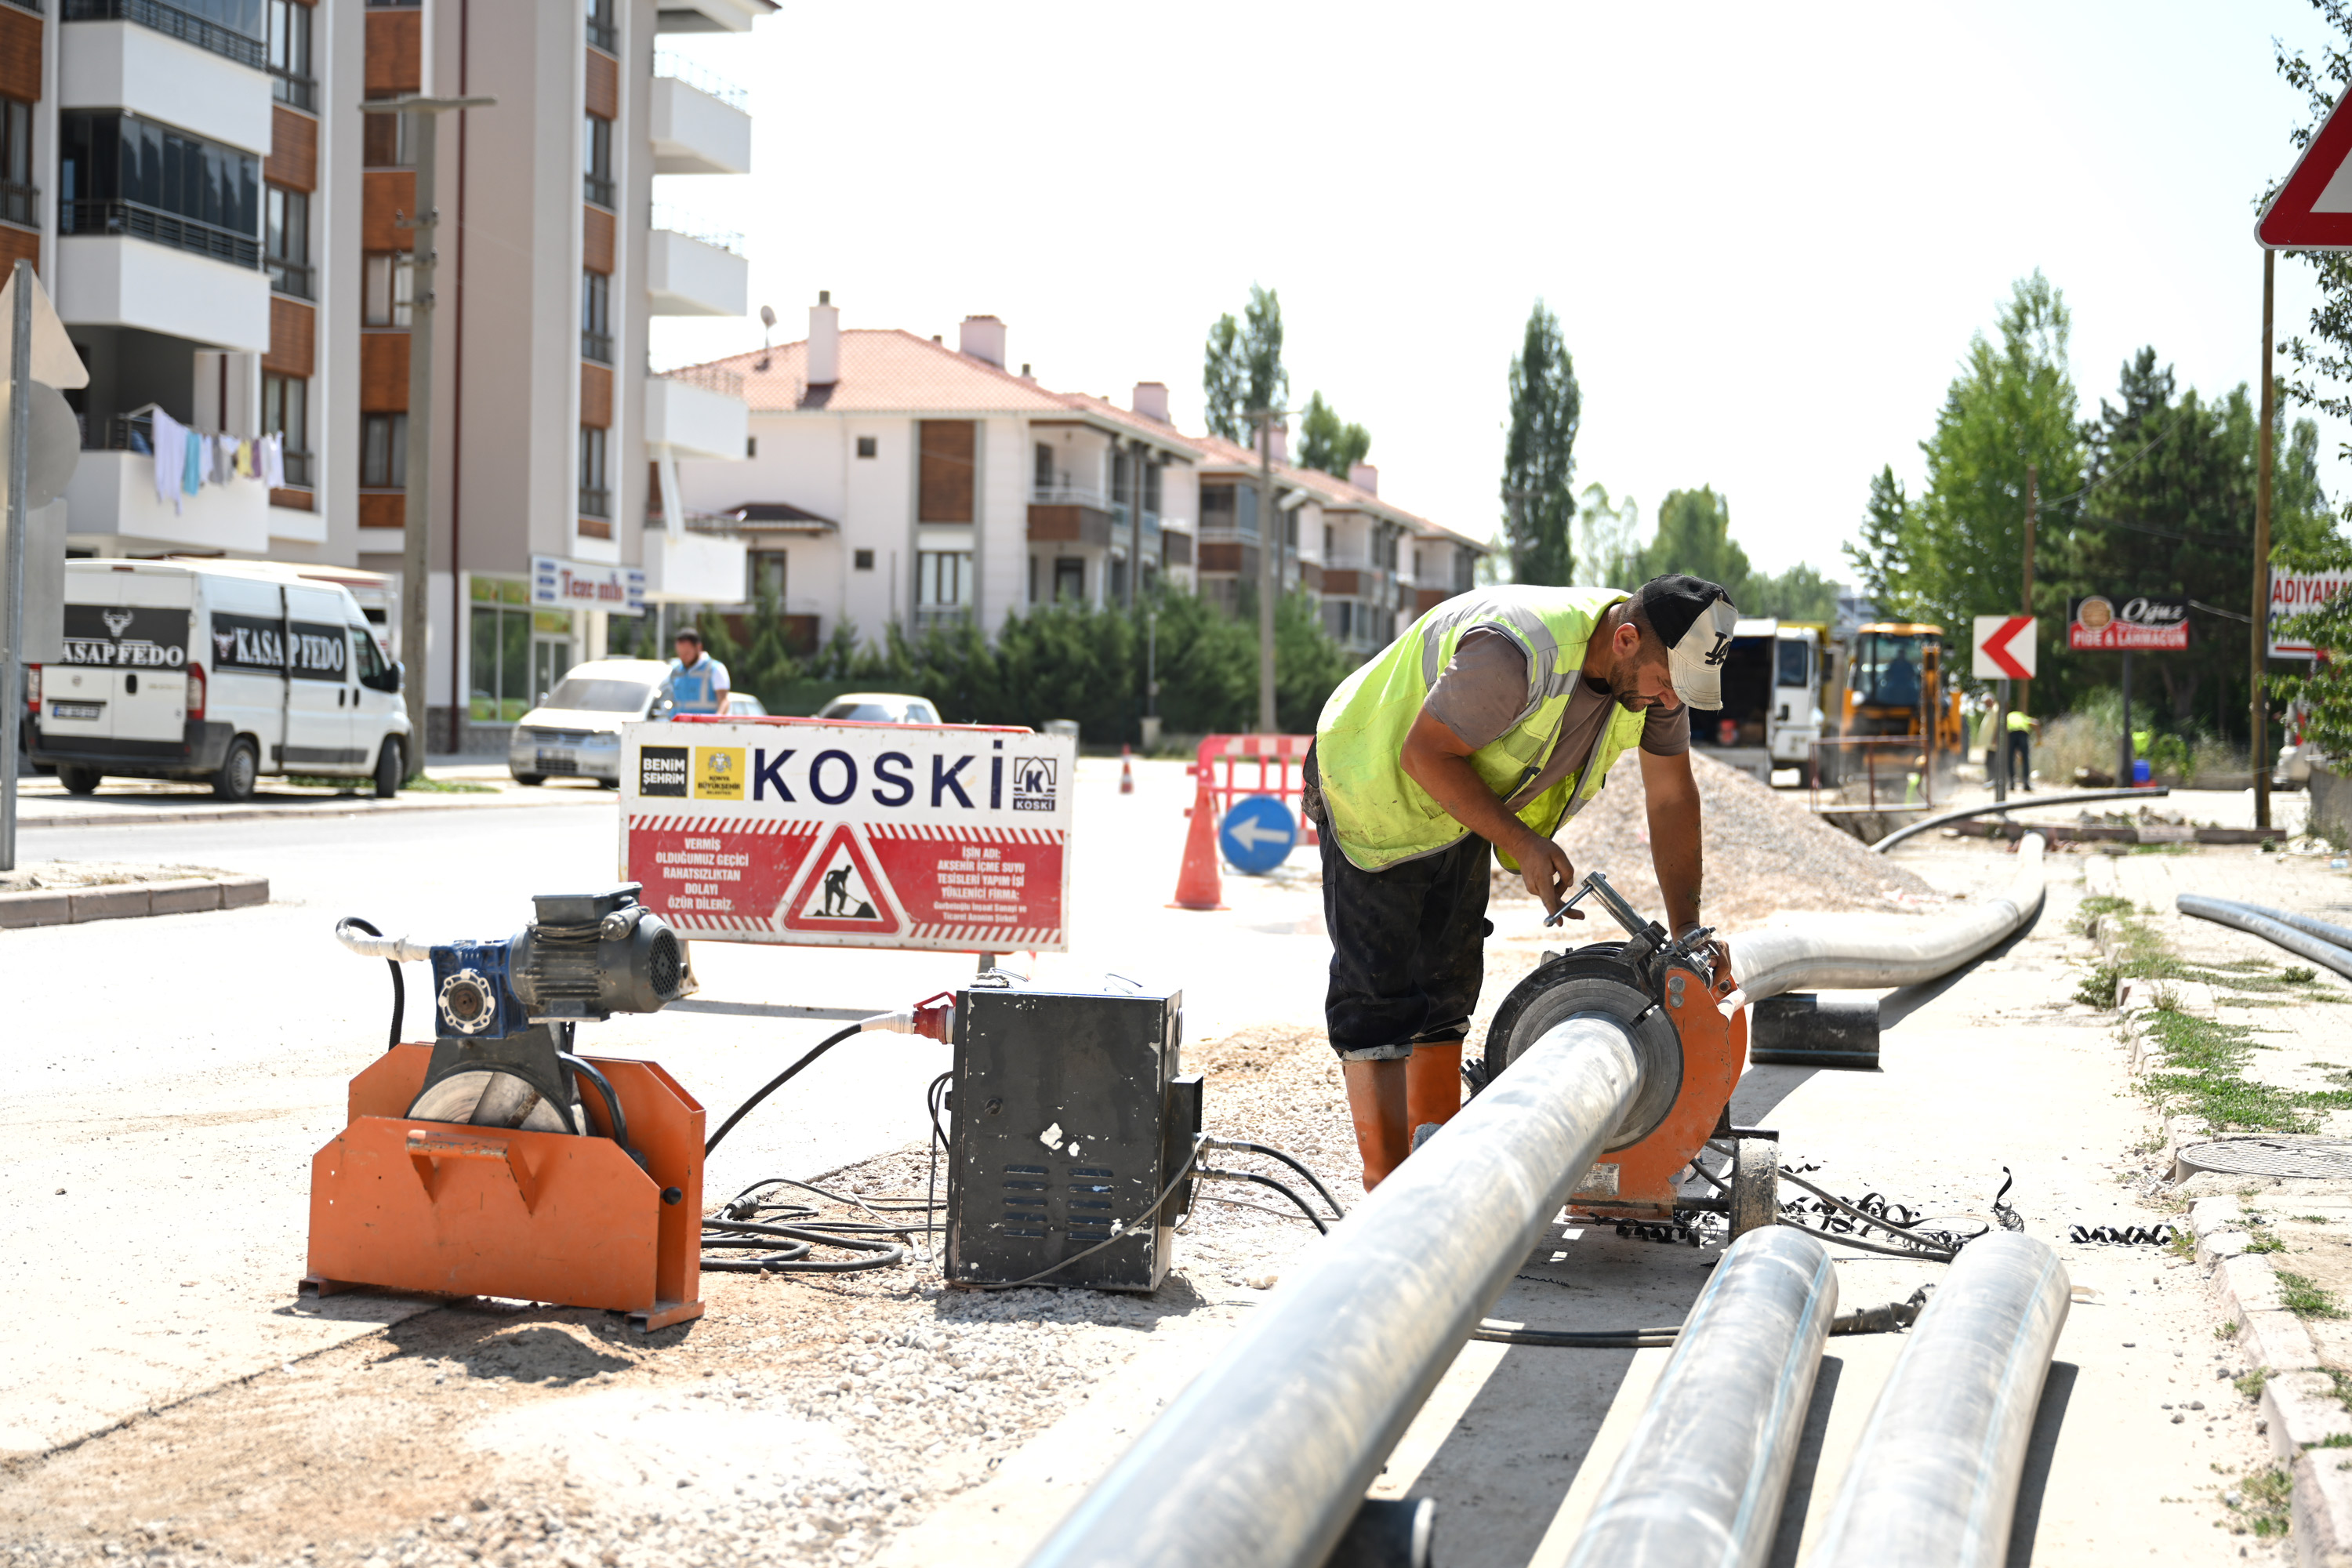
x=20, y=440
x=415, y=559
x=2260, y=628
x=1270, y=526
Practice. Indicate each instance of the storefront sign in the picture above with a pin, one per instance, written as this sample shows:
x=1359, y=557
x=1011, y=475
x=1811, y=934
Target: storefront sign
x=2138, y=625
x=946, y=836
x=2299, y=593
x=576, y=585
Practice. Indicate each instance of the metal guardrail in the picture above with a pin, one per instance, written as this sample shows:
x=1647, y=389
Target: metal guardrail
x=1069, y=495
x=246, y=47
x=709, y=377
x=685, y=226
x=142, y=222
x=702, y=80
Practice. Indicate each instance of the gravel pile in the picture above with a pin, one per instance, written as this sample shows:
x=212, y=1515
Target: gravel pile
x=1765, y=852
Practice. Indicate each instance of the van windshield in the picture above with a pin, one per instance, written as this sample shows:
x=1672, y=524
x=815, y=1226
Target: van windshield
x=584, y=694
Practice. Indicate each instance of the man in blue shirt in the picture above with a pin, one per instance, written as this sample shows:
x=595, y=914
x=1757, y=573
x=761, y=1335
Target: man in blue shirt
x=698, y=682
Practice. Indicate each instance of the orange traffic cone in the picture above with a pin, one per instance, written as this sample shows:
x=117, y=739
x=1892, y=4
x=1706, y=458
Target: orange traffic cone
x=1126, y=773
x=1199, y=886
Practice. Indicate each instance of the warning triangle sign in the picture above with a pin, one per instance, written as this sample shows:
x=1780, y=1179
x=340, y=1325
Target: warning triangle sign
x=840, y=893
x=2313, y=211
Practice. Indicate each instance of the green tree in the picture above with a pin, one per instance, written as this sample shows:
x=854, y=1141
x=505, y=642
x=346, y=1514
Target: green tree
x=2010, y=408
x=1242, y=368
x=1695, y=536
x=1540, y=456
x=1609, y=539
x=1881, y=556
x=1327, y=444
x=1799, y=594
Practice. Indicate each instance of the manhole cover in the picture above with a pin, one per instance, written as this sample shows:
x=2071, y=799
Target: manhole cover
x=2327, y=1159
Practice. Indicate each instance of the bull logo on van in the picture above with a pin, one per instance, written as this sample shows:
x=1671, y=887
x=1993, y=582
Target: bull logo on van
x=117, y=621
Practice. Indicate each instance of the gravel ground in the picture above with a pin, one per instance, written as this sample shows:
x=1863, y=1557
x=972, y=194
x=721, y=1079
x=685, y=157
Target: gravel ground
x=1764, y=852
x=806, y=1419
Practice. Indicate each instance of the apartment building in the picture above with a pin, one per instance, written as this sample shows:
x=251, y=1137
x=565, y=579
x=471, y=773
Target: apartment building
x=230, y=240
x=896, y=481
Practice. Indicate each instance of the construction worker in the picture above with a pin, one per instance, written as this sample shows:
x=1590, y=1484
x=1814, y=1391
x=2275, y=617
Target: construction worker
x=2021, y=749
x=1489, y=722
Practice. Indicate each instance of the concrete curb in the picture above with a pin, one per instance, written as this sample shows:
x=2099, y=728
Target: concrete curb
x=2307, y=1424
x=326, y=805
x=129, y=900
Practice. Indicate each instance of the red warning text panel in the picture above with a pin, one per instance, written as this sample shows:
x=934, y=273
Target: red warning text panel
x=861, y=835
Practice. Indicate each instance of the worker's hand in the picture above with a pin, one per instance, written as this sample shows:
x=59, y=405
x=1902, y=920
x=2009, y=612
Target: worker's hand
x=1720, y=951
x=1546, y=870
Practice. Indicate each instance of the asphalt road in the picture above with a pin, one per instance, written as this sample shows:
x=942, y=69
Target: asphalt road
x=174, y=1076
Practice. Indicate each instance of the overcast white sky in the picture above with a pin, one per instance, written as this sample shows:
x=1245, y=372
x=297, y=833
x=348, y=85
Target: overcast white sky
x=1767, y=231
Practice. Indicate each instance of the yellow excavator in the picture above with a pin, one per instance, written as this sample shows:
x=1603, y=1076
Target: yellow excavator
x=1894, y=684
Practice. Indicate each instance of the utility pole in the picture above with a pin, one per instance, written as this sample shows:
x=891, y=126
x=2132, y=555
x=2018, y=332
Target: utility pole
x=415, y=562
x=2258, y=644
x=1269, y=556
x=2026, y=607
x=20, y=442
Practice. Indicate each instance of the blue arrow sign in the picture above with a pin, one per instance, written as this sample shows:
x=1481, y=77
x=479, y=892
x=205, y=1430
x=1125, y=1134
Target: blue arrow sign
x=1258, y=833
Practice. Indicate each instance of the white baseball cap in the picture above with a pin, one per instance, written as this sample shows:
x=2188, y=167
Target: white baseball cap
x=1694, y=618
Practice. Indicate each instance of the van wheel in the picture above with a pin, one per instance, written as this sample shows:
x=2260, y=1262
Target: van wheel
x=530, y=780
x=238, y=772
x=390, y=769
x=608, y=783
x=77, y=778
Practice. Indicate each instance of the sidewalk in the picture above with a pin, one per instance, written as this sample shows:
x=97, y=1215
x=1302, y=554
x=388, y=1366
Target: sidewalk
x=42, y=802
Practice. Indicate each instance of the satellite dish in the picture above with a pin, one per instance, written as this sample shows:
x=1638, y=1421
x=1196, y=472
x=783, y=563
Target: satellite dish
x=56, y=449
x=768, y=316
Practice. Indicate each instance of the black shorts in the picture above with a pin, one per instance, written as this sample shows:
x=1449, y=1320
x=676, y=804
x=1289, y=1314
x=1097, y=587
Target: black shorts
x=1408, y=944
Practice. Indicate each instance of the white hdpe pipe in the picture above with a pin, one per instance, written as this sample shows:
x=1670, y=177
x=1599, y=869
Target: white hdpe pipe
x=396, y=949
x=1936, y=1470
x=1703, y=1475
x=1867, y=953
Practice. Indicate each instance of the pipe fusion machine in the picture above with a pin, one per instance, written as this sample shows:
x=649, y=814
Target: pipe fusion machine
x=495, y=1160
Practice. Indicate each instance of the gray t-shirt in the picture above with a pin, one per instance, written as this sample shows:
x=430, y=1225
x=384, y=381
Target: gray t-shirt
x=1485, y=687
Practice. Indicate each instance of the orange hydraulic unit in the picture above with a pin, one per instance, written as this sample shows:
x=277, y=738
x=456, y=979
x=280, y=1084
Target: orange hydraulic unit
x=493, y=1161
x=1691, y=1057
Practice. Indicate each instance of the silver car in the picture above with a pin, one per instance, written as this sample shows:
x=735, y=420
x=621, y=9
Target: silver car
x=575, y=731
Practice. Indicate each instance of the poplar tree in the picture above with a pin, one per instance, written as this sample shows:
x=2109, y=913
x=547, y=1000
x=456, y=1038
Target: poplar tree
x=1539, y=458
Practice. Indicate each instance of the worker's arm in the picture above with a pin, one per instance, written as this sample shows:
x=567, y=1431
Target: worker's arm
x=1437, y=759
x=1673, y=797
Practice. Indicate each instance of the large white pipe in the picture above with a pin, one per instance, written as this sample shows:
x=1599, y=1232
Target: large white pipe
x=1869, y=953
x=1265, y=1459
x=2316, y=940
x=1936, y=1470
x=1702, y=1478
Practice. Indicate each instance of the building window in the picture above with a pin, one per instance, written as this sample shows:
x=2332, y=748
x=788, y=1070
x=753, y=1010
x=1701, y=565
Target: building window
x=386, y=286
x=1041, y=467
x=501, y=628
x=383, y=451
x=750, y=446
x=764, y=577
x=595, y=500
x=862, y=560
x=286, y=411
x=20, y=202
x=286, y=240
x=867, y=445
x=597, y=174
x=596, y=317
x=289, y=53
x=384, y=140
x=601, y=31
x=1070, y=580
x=942, y=578
x=119, y=174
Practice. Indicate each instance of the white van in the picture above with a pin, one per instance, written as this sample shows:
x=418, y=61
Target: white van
x=221, y=671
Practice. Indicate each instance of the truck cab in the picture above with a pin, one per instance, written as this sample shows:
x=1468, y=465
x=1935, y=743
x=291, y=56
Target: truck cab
x=1772, y=710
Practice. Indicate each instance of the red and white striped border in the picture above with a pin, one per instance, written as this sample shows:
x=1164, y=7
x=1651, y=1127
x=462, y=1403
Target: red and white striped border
x=939, y=834
x=1003, y=938
x=761, y=825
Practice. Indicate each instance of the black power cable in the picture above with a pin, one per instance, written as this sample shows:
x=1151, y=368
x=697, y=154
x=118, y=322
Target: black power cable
x=1273, y=1154
x=1211, y=1175
x=616, y=1121
x=399, y=988
x=778, y=1082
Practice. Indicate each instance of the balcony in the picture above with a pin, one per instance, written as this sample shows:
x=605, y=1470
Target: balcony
x=693, y=568
x=709, y=15
x=112, y=279
x=699, y=123
x=697, y=413
x=20, y=204
x=690, y=275
x=1076, y=516
x=110, y=505
x=122, y=56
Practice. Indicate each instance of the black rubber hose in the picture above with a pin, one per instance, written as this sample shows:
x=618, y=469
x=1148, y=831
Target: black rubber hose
x=1599, y=1339
x=1274, y=1154
x=778, y=1082
x=1208, y=1176
x=399, y=988
x=614, y=1119
x=794, y=1259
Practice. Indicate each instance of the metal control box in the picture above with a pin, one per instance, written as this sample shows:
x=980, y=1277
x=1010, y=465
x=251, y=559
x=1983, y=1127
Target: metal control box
x=1069, y=1118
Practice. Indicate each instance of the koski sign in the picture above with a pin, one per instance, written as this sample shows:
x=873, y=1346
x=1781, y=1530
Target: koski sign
x=788, y=830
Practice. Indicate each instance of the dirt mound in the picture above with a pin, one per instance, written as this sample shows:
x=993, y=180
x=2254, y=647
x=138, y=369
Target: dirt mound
x=1764, y=850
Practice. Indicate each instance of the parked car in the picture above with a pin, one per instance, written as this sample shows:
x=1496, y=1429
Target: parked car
x=743, y=705
x=218, y=672
x=881, y=707
x=575, y=732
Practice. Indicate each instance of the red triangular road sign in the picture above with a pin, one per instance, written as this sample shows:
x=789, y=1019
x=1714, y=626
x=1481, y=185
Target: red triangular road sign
x=840, y=893
x=2313, y=211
